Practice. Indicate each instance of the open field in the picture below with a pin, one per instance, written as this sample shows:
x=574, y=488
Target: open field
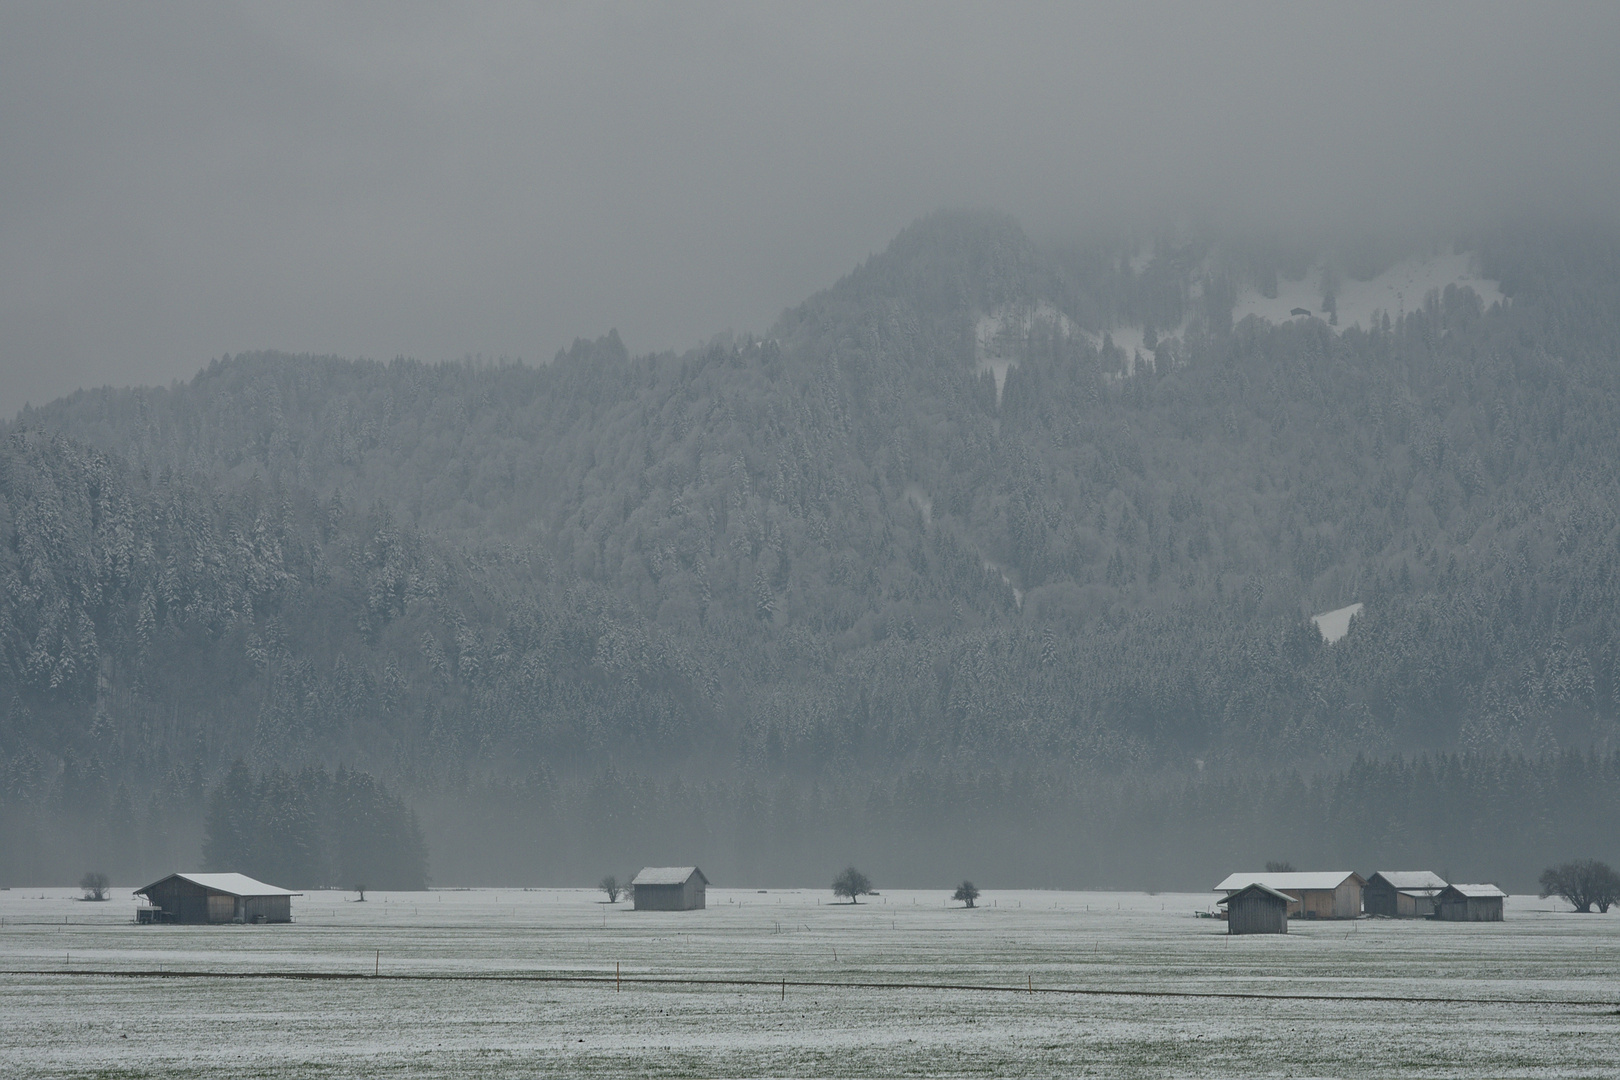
x=478, y=983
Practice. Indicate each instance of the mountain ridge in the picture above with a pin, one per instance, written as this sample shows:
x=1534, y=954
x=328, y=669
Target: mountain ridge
x=843, y=551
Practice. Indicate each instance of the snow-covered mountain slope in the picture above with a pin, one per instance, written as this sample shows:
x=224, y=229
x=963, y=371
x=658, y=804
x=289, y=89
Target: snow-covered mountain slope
x=1002, y=333
x=1400, y=288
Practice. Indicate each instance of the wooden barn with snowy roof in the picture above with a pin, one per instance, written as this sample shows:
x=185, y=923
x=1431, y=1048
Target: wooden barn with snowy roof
x=1402, y=894
x=1470, y=903
x=1256, y=909
x=670, y=888
x=213, y=898
x=1328, y=894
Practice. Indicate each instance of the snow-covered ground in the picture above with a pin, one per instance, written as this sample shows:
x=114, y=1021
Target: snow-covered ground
x=1132, y=341
x=996, y=568
x=1400, y=288
x=1001, y=334
x=1333, y=625
x=460, y=993
x=920, y=499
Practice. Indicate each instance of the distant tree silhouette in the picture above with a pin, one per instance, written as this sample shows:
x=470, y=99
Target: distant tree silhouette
x=94, y=885
x=611, y=886
x=966, y=892
x=1582, y=883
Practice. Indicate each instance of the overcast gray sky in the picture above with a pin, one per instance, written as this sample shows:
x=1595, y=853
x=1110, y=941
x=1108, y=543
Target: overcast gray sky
x=178, y=181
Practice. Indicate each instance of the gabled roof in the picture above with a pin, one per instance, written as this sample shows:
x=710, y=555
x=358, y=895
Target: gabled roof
x=1266, y=890
x=1409, y=879
x=229, y=884
x=667, y=875
x=1475, y=891
x=1295, y=881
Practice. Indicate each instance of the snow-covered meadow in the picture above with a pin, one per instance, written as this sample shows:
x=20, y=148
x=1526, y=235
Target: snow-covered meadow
x=1399, y=289
x=463, y=984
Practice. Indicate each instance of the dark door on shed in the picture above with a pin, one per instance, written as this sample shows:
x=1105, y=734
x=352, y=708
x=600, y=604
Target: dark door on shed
x=181, y=900
x=270, y=909
x=1256, y=912
x=1379, y=898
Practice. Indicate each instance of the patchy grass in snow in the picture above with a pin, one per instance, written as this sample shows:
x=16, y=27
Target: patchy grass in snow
x=1533, y=996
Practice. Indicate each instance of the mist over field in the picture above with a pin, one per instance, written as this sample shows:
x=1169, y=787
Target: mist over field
x=924, y=437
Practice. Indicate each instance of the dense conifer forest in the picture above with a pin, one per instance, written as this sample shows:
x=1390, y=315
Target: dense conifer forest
x=848, y=589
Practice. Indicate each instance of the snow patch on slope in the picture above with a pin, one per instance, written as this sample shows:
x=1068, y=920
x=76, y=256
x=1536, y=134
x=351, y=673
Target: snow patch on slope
x=1002, y=333
x=996, y=568
x=1333, y=625
x=1130, y=340
x=1399, y=289
x=919, y=498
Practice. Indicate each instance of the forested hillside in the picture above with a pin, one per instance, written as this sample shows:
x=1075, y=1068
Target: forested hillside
x=937, y=523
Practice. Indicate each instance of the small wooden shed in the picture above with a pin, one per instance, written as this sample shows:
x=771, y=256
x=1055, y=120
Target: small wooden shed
x=1257, y=909
x=1402, y=894
x=1328, y=894
x=214, y=898
x=670, y=888
x=1470, y=903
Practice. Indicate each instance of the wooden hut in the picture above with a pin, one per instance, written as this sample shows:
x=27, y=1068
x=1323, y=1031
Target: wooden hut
x=1402, y=894
x=1470, y=903
x=1257, y=909
x=670, y=888
x=1330, y=894
x=214, y=898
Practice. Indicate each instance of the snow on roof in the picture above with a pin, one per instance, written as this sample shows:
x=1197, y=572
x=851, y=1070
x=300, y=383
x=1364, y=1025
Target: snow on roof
x=1255, y=887
x=1479, y=890
x=667, y=875
x=231, y=884
x=1411, y=879
x=1333, y=625
x=1293, y=881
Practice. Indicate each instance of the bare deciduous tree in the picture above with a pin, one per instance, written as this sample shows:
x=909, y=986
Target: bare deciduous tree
x=94, y=885
x=611, y=886
x=1582, y=883
x=966, y=892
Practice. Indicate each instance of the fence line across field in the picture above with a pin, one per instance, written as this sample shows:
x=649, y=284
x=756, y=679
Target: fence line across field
x=616, y=980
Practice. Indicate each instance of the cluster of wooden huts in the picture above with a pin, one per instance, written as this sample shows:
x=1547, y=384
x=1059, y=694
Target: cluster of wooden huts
x=1262, y=903
x=1254, y=903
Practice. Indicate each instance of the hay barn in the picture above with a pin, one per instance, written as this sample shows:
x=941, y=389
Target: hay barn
x=214, y=898
x=1470, y=903
x=1402, y=894
x=670, y=888
x=1256, y=909
x=1328, y=894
